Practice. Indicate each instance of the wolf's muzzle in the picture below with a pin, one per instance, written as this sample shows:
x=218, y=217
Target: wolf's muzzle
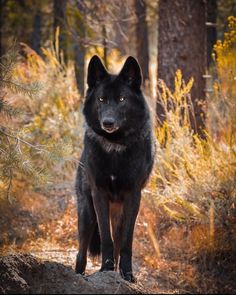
x=108, y=125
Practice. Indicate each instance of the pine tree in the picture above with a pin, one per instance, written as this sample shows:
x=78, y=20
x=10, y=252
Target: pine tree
x=18, y=156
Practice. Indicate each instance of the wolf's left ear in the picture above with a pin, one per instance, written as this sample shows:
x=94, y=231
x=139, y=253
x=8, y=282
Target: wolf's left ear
x=96, y=71
x=131, y=72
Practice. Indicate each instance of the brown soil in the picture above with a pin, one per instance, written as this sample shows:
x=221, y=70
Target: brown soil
x=24, y=274
x=45, y=226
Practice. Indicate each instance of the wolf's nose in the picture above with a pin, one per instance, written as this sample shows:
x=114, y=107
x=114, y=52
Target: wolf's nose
x=108, y=122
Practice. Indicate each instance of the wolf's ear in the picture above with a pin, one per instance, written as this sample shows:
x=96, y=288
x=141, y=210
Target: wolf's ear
x=96, y=71
x=131, y=72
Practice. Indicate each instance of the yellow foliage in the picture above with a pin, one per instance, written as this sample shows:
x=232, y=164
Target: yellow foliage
x=190, y=172
x=224, y=95
x=114, y=58
x=55, y=112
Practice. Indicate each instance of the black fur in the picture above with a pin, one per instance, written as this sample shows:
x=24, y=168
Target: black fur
x=115, y=164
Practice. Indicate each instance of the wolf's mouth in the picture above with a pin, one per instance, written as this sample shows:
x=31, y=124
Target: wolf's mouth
x=110, y=129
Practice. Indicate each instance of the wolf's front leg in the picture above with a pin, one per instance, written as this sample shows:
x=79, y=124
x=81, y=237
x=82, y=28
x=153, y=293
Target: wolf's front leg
x=86, y=225
x=131, y=208
x=101, y=206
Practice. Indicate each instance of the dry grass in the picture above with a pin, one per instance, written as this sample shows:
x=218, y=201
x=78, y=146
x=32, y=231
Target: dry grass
x=191, y=174
x=190, y=200
x=56, y=111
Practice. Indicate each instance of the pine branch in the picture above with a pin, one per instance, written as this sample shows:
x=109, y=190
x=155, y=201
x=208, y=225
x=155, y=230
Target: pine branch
x=2, y=130
x=7, y=63
x=7, y=109
x=16, y=87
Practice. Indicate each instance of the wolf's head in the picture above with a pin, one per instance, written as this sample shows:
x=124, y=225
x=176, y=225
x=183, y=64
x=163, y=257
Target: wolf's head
x=114, y=104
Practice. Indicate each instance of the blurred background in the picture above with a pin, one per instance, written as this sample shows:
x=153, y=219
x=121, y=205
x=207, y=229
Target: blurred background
x=185, y=233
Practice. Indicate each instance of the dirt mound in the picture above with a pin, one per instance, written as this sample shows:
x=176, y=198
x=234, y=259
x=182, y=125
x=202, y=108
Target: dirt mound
x=27, y=274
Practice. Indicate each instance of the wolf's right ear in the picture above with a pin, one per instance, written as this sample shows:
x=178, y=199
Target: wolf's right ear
x=96, y=71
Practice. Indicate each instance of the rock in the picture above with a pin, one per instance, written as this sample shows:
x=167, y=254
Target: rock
x=26, y=274
x=110, y=282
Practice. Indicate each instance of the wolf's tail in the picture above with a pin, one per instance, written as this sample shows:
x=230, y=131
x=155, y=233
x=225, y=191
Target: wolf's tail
x=95, y=243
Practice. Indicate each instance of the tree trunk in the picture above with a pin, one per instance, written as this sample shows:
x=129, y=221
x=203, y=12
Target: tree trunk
x=105, y=48
x=36, y=34
x=2, y=3
x=59, y=21
x=142, y=38
x=120, y=29
x=182, y=45
x=211, y=28
x=79, y=49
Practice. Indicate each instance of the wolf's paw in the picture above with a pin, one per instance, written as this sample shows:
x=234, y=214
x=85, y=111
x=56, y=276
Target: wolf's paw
x=80, y=266
x=108, y=265
x=79, y=270
x=128, y=276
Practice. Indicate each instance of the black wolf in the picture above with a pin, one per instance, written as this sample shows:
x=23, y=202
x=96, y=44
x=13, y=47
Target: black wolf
x=115, y=164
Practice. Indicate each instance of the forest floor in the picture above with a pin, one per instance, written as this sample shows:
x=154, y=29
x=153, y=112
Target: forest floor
x=44, y=225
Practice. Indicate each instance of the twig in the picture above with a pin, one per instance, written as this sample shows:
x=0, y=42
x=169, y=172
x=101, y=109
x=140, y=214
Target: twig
x=154, y=240
x=10, y=178
x=4, y=152
x=53, y=250
x=21, y=140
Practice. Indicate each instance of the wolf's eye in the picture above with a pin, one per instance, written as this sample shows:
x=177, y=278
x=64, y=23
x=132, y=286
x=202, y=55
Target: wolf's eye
x=121, y=98
x=101, y=99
